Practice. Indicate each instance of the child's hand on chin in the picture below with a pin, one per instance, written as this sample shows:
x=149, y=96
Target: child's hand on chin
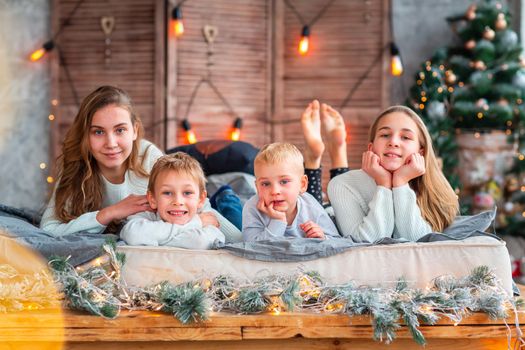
x=372, y=166
x=270, y=211
x=414, y=166
x=312, y=230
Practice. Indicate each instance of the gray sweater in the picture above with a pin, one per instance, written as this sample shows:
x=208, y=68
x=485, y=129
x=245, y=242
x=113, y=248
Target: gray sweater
x=258, y=226
x=367, y=212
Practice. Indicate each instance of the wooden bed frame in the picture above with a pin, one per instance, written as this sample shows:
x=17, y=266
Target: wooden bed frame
x=149, y=330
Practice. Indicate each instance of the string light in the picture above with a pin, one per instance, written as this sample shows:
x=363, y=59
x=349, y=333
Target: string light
x=396, y=66
x=177, y=23
x=38, y=54
x=236, y=132
x=51, y=117
x=304, y=43
x=43, y=166
x=190, y=135
x=50, y=44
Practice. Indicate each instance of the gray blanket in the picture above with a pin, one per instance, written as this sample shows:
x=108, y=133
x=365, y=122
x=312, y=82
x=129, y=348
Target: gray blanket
x=303, y=249
x=22, y=225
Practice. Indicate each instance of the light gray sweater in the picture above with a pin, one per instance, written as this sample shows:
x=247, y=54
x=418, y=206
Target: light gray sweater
x=367, y=212
x=148, y=228
x=114, y=193
x=258, y=226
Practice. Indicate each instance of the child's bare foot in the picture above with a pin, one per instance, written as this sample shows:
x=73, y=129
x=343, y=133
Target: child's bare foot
x=311, y=123
x=335, y=131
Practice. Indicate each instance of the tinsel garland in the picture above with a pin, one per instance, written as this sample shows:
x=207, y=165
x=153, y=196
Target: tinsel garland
x=97, y=288
x=26, y=291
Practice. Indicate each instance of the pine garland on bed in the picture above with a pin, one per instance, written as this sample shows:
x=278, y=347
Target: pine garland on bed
x=97, y=288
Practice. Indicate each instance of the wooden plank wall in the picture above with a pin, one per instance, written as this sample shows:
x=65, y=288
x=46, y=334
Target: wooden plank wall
x=349, y=39
x=255, y=65
x=240, y=70
x=137, y=56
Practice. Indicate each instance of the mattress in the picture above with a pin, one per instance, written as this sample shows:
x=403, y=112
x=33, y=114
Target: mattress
x=379, y=265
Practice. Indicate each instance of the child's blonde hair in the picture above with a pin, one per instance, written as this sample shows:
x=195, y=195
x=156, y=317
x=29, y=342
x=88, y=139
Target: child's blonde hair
x=80, y=186
x=435, y=197
x=280, y=152
x=181, y=163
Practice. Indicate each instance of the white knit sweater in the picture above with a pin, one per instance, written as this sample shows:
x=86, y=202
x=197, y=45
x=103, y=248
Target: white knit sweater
x=367, y=212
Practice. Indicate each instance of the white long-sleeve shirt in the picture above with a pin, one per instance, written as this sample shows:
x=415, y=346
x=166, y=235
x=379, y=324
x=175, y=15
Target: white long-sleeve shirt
x=367, y=212
x=148, y=228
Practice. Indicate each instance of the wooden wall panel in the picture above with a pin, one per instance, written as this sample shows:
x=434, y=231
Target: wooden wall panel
x=136, y=45
x=240, y=70
x=346, y=41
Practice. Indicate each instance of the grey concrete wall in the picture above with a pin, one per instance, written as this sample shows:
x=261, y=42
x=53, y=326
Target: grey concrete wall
x=24, y=103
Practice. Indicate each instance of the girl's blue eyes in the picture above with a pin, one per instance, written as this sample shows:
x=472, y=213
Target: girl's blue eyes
x=402, y=137
x=119, y=131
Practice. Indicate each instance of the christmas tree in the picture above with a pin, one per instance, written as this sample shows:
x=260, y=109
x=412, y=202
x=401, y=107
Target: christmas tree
x=477, y=86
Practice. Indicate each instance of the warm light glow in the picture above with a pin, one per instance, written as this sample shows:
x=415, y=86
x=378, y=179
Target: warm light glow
x=38, y=54
x=477, y=135
x=396, y=67
x=50, y=179
x=190, y=137
x=54, y=102
x=236, y=134
x=51, y=117
x=275, y=310
x=480, y=115
x=178, y=27
x=42, y=166
x=303, y=45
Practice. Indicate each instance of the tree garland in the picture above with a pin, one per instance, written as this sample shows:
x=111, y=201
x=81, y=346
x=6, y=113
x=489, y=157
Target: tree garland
x=97, y=289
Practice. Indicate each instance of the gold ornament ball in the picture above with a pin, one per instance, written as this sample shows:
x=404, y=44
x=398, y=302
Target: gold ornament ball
x=489, y=34
x=501, y=22
x=450, y=77
x=480, y=65
x=471, y=12
x=471, y=44
x=503, y=102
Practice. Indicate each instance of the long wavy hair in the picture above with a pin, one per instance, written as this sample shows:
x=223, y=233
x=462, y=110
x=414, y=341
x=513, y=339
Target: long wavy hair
x=80, y=187
x=436, y=199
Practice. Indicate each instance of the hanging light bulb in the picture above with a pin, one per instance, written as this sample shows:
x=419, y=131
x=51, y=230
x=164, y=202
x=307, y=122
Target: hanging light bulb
x=38, y=54
x=190, y=135
x=178, y=25
x=396, y=66
x=305, y=41
x=236, y=132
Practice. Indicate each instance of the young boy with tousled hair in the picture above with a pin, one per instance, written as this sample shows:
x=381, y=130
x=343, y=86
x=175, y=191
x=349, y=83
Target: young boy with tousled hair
x=177, y=193
x=282, y=208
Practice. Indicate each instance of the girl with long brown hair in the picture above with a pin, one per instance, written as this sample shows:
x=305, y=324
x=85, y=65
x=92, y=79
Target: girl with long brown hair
x=103, y=168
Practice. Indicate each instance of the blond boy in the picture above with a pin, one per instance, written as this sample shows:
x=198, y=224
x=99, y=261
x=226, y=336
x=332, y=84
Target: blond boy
x=282, y=208
x=177, y=193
